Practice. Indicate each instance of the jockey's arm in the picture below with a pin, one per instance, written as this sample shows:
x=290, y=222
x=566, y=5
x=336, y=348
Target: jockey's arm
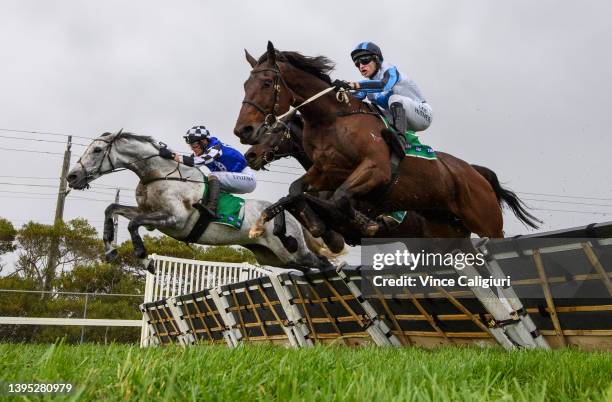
x=390, y=78
x=209, y=156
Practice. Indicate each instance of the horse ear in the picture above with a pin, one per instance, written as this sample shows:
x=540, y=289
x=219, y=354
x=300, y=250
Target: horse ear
x=271, y=53
x=120, y=131
x=250, y=58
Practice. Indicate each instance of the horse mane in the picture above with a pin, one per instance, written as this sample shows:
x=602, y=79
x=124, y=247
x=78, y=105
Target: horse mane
x=319, y=66
x=132, y=136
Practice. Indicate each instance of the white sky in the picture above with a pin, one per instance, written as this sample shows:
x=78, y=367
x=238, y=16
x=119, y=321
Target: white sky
x=521, y=87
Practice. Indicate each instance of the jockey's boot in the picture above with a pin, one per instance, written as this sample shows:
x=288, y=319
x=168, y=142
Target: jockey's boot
x=399, y=121
x=210, y=207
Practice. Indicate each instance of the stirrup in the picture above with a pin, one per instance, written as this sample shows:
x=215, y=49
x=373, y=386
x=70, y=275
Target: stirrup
x=366, y=225
x=205, y=210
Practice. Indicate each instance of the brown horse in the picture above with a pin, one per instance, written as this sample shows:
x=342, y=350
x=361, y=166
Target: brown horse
x=284, y=139
x=349, y=154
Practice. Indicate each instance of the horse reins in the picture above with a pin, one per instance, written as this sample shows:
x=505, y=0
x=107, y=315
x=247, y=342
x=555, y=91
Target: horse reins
x=106, y=156
x=278, y=78
x=271, y=117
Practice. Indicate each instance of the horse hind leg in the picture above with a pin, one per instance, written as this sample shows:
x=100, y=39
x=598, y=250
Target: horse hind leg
x=482, y=215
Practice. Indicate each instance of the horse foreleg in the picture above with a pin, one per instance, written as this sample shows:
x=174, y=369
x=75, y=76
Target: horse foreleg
x=129, y=212
x=294, y=204
x=280, y=231
x=365, y=178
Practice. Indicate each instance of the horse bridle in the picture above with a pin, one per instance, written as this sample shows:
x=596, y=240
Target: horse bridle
x=285, y=136
x=106, y=156
x=270, y=117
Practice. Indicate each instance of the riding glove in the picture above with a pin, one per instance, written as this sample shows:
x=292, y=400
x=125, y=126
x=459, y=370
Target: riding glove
x=166, y=153
x=341, y=84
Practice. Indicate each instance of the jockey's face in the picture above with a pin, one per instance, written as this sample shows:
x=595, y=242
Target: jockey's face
x=368, y=70
x=198, y=147
x=366, y=65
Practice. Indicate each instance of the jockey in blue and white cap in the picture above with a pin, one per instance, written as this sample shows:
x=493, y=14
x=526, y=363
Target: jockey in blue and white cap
x=391, y=90
x=228, y=167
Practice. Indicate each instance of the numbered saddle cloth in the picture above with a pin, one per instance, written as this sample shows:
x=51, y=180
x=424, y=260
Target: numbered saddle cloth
x=230, y=209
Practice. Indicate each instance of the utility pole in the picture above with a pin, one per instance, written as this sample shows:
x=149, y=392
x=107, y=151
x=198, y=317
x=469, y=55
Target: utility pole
x=116, y=220
x=61, y=194
x=59, y=217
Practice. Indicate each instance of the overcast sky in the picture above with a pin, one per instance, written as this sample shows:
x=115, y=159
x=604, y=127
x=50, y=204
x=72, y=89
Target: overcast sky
x=522, y=87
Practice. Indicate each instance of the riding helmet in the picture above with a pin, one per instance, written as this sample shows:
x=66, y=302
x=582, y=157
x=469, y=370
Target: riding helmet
x=196, y=133
x=366, y=48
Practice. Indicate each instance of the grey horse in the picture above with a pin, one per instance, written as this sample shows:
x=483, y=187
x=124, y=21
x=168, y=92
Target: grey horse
x=165, y=195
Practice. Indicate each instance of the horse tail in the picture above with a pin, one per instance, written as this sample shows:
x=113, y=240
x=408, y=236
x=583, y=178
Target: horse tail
x=318, y=246
x=508, y=197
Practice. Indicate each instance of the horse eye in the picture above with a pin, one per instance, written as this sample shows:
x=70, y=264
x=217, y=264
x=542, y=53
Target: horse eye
x=97, y=150
x=267, y=83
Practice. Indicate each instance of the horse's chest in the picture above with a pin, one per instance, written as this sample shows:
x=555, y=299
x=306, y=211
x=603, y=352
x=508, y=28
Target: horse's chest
x=325, y=154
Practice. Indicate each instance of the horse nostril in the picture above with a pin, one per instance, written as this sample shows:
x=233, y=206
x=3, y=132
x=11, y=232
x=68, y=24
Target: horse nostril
x=244, y=133
x=71, y=177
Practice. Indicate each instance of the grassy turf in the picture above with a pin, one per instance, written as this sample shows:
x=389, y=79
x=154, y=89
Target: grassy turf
x=216, y=373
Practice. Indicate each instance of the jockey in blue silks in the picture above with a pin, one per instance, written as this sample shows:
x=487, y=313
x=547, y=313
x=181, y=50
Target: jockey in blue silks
x=388, y=88
x=228, y=167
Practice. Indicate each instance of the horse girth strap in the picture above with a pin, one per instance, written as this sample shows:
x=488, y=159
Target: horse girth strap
x=198, y=229
x=353, y=112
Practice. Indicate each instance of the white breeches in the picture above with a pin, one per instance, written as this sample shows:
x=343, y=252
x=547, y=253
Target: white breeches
x=419, y=115
x=237, y=182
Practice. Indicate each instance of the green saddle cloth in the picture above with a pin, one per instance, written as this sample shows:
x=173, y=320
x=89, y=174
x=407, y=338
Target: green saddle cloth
x=230, y=211
x=416, y=149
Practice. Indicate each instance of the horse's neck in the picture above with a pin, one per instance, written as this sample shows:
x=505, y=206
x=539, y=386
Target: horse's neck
x=306, y=85
x=298, y=151
x=145, y=163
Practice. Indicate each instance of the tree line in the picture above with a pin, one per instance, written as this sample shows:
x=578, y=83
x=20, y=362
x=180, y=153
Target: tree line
x=68, y=257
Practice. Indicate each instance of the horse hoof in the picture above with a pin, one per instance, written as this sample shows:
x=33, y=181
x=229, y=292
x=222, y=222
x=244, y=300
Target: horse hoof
x=291, y=244
x=333, y=241
x=140, y=253
x=371, y=229
x=110, y=255
x=151, y=267
x=256, y=232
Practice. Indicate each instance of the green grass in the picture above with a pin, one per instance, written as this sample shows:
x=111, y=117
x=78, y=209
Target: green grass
x=216, y=373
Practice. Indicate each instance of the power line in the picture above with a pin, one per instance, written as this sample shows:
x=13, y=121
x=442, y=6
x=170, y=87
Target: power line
x=566, y=196
x=30, y=177
x=29, y=150
x=569, y=202
x=579, y=212
x=285, y=166
x=22, y=192
x=39, y=140
x=44, y=133
x=28, y=185
x=290, y=173
x=27, y=193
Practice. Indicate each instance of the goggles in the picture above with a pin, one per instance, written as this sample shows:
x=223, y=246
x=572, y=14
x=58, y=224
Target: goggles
x=192, y=139
x=364, y=60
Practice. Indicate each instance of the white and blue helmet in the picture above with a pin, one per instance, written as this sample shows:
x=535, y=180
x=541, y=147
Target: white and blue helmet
x=366, y=48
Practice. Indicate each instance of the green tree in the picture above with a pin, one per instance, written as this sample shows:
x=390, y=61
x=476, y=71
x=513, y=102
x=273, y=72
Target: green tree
x=7, y=238
x=76, y=241
x=164, y=245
